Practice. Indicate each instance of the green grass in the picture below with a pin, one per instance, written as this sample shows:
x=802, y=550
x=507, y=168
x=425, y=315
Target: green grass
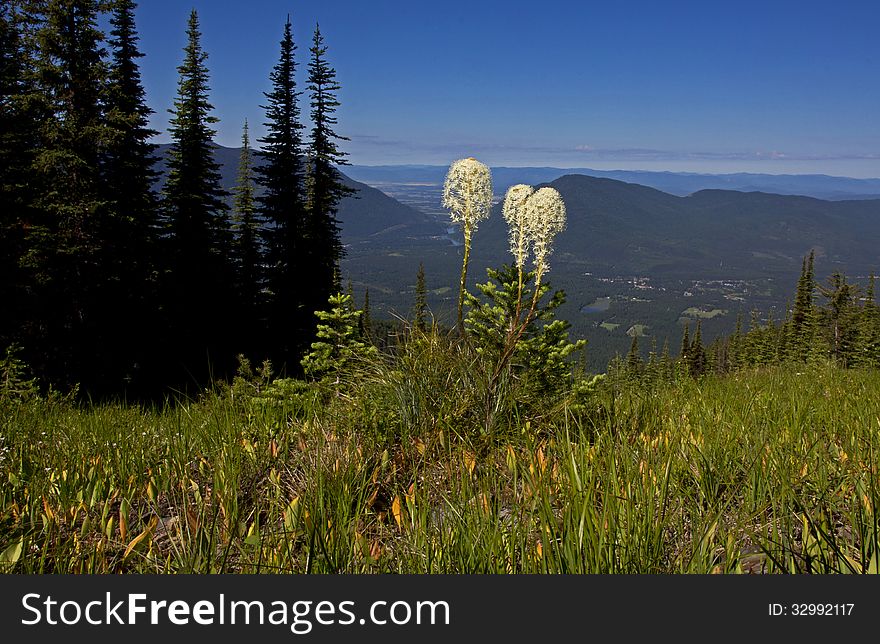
x=763, y=471
x=696, y=312
x=637, y=330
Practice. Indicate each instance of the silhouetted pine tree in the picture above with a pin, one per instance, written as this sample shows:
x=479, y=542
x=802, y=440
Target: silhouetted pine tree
x=282, y=208
x=66, y=231
x=246, y=250
x=130, y=319
x=18, y=144
x=198, y=230
x=324, y=185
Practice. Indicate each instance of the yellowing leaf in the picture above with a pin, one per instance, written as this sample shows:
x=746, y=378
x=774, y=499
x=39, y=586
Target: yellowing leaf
x=469, y=462
x=143, y=537
x=397, y=512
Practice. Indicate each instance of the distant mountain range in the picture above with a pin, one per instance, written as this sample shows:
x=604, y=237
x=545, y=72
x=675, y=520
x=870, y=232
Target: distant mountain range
x=654, y=260
x=711, y=234
x=677, y=183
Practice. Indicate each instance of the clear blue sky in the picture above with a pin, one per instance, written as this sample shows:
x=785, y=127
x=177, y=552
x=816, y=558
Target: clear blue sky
x=715, y=86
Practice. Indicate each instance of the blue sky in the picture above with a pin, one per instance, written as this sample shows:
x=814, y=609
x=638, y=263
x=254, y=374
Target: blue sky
x=710, y=86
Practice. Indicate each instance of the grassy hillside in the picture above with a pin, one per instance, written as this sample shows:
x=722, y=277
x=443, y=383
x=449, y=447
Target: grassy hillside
x=390, y=471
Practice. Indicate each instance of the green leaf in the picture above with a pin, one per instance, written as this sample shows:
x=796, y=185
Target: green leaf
x=11, y=555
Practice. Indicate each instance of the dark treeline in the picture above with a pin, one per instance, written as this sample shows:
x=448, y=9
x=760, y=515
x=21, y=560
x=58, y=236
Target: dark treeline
x=128, y=287
x=836, y=321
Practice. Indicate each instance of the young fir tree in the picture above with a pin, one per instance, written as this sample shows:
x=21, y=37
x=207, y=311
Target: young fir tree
x=540, y=357
x=198, y=230
x=420, y=313
x=129, y=175
x=337, y=348
x=324, y=185
x=246, y=247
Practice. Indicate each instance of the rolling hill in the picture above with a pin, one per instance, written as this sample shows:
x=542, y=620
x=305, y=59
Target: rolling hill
x=654, y=260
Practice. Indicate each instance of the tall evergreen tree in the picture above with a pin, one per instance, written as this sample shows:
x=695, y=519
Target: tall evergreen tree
x=697, y=353
x=246, y=248
x=130, y=319
x=324, y=185
x=802, y=327
x=66, y=233
x=197, y=227
x=634, y=364
x=282, y=208
x=868, y=346
x=18, y=141
x=840, y=317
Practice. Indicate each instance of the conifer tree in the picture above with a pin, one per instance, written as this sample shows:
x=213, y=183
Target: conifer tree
x=324, y=185
x=802, y=327
x=282, y=207
x=246, y=249
x=132, y=225
x=868, y=352
x=18, y=141
x=634, y=365
x=420, y=317
x=840, y=318
x=66, y=232
x=685, y=349
x=667, y=366
x=195, y=210
x=366, y=319
x=697, y=353
x=337, y=347
x=735, y=346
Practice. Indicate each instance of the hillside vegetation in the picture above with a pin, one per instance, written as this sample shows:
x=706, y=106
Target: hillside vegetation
x=771, y=470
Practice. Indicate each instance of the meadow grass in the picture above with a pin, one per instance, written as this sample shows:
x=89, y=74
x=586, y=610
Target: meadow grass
x=761, y=471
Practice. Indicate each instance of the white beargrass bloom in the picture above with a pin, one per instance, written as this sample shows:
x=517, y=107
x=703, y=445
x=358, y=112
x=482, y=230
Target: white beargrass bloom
x=515, y=214
x=545, y=217
x=467, y=193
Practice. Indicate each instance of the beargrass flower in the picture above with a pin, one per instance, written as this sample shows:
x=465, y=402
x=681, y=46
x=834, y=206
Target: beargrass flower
x=467, y=194
x=545, y=218
x=515, y=213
